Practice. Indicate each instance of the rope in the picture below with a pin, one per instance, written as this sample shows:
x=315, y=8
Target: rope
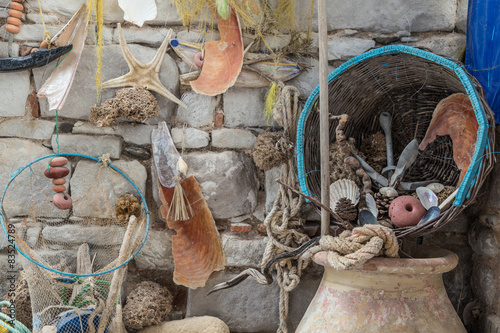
x=351, y=249
x=283, y=221
x=46, y=34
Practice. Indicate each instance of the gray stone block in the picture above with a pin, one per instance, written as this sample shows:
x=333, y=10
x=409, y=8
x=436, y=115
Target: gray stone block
x=200, y=110
x=112, y=12
x=449, y=45
x=89, y=145
x=250, y=307
x=242, y=252
x=189, y=138
x=36, y=18
x=137, y=134
x=387, y=16
x=244, y=107
x=167, y=14
x=308, y=81
x=345, y=48
x=483, y=241
x=17, y=153
x=233, y=138
x=77, y=235
x=483, y=283
x=95, y=189
x=83, y=93
x=30, y=32
x=272, y=187
x=145, y=35
x=462, y=15
x=4, y=49
x=30, y=129
x=228, y=180
x=15, y=88
x=489, y=323
x=157, y=252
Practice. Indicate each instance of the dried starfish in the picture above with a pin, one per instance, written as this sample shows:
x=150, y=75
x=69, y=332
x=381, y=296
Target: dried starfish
x=146, y=75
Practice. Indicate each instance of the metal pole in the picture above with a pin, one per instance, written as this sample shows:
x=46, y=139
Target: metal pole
x=324, y=128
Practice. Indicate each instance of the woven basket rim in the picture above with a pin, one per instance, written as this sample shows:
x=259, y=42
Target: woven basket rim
x=478, y=168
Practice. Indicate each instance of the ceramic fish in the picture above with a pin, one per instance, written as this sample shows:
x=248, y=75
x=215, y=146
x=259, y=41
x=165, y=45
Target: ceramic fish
x=38, y=58
x=223, y=59
x=454, y=116
x=196, y=246
x=57, y=86
x=138, y=12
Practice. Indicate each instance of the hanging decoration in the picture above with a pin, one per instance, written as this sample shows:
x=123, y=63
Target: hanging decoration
x=196, y=247
x=147, y=75
x=138, y=12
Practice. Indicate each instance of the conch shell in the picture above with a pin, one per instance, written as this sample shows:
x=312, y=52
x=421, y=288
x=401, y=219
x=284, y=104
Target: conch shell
x=223, y=59
x=454, y=116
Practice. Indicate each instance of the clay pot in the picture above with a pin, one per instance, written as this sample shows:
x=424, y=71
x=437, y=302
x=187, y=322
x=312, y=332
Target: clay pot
x=62, y=201
x=385, y=295
x=406, y=211
x=56, y=172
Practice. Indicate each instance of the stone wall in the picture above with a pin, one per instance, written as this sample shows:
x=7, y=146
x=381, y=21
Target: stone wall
x=217, y=135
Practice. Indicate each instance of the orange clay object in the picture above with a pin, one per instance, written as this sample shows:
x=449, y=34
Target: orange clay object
x=44, y=45
x=15, y=13
x=62, y=200
x=196, y=247
x=33, y=49
x=58, y=161
x=223, y=59
x=59, y=188
x=12, y=28
x=14, y=21
x=21, y=1
x=454, y=116
x=16, y=6
x=59, y=181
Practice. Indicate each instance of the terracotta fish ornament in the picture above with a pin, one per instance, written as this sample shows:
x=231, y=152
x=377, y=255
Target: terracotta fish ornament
x=197, y=247
x=454, y=116
x=223, y=59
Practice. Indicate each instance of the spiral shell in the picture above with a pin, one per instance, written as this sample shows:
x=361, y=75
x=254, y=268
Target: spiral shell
x=343, y=188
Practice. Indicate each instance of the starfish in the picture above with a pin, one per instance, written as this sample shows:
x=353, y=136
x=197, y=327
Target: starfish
x=140, y=74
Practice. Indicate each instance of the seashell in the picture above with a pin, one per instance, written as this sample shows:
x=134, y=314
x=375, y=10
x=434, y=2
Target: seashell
x=56, y=172
x=182, y=166
x=366, y=217
x=343, y=188
x=62, y=201
x=430, y=215
x=406, y=211
x=388, y=191
x=427, y=197
x=436, y=187
x=138, y=12
x=371, y=204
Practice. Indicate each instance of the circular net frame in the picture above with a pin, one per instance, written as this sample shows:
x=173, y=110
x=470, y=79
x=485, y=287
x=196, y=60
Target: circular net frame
x=74, y=260
x=399, y=81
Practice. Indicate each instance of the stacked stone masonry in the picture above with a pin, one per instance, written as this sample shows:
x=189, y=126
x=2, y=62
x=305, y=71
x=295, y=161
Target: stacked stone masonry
x=215, y=136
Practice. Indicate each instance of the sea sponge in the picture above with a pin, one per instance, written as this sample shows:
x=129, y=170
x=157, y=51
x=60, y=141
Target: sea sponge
x=126, y=206
x=147, y=305
x=271, y=149
x=135, y=103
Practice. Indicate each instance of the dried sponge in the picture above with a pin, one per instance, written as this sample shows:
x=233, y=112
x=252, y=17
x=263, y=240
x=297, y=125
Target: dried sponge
x=135, y=103
x=147, y=305
x=126, y=206
x=271, y=150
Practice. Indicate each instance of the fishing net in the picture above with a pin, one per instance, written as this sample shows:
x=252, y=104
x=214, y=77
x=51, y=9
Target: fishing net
x=75, y=259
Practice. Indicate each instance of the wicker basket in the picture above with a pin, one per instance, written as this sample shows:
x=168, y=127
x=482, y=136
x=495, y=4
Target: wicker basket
x=409, y=83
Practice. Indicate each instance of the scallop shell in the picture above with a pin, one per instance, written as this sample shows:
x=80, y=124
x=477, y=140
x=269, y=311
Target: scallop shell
x=427, y=197
x=436, y=187
x=343, y=188
x=138, y=12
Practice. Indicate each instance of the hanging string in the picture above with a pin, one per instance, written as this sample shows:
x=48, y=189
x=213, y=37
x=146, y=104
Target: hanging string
x=46, y=33
x=99, y=43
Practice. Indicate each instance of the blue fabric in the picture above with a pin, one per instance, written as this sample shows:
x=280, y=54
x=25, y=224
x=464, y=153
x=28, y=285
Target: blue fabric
x=482, y=58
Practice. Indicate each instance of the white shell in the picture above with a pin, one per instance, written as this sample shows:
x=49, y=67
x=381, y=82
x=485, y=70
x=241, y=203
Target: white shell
x=182, y=166
x=427, y=197
x=138, y=11
x=388, y=191
x=371, y=205
x=343, y=188
x=436, y=187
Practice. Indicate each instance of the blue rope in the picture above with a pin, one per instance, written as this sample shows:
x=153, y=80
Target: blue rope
x=19, y=170
x=482, y=135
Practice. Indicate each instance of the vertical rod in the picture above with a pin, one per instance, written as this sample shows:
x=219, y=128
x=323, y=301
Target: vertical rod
x=324, y=128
